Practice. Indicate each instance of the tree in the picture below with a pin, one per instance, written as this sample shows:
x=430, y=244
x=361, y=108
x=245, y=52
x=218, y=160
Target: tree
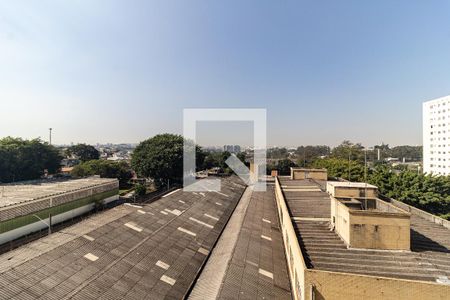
x=307, y=154
x=339, y=168
x=83, y=152
x=284, y=166
x=346, y=148
x=26, y=159
x=161, y=158
x=277, y=153
x=217, y=160
x=105, y=169
x=242, y=157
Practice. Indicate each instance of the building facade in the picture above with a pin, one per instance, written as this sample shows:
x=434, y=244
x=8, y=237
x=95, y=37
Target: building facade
x=436, y=136
x=232, y=148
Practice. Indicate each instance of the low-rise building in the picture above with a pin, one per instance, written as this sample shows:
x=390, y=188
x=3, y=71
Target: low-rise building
x=358, y=246
x=30, y=206
x=351, y=189
x=302, y=173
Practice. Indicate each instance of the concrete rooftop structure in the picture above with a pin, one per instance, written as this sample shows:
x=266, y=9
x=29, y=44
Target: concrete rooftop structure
x=329, y=265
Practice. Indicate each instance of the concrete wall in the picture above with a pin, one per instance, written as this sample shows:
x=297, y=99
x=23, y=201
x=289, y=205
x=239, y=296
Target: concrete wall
x=420, y=213
x=371, y=229
x=354, y=192
x=340, y=217
x=295, y=261
x=40, y=225
x=29, y=207
x=342, y=286
x=315, y=174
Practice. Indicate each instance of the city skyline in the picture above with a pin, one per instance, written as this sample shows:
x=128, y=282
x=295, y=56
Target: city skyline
x=121, y=73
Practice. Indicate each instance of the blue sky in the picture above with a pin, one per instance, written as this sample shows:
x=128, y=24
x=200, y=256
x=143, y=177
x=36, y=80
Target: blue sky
x=122, y=71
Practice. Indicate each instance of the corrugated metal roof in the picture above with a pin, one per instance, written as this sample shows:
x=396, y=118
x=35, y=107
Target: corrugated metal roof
x=429, y=259
x=126, y=260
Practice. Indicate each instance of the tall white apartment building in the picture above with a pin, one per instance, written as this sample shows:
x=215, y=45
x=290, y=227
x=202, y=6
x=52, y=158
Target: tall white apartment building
x=436, y=136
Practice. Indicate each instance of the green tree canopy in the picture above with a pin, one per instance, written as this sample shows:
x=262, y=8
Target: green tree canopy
x=105, y=169
x=346, y=148
x=283, y=166
x=161, y=158
x=339, y=168
x=307, y=154
x=26, y=159
x=277, y=153
x=83, y=152
x=217, y=160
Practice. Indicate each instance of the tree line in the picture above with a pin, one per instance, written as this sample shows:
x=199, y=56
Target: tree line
x=304, y=155
x=26, y=159
x=161, y=158
x=347, y=161
x=427, y=192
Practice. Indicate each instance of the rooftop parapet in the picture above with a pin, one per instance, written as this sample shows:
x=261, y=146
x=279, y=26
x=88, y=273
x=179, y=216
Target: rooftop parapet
x=302, y=173
x=371, y=223
x=351, y=189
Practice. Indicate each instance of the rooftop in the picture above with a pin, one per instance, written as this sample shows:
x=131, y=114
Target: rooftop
x=350, y=184
x=258, y=267
x=309, y=170
x=248, y=261
x=15, y=193
x=323, y=249
x=132, y=251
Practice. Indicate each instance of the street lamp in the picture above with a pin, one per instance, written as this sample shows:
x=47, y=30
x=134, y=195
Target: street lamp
x=365, y=173
x=50, y=135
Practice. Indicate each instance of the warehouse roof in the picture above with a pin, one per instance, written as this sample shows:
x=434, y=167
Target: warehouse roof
x=323, y=249
x=249, y=260
x=258, y=268
x=15, y=193
x=154, y=250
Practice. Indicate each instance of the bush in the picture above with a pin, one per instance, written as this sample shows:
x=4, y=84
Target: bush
x=140, y=189
x=105, y=169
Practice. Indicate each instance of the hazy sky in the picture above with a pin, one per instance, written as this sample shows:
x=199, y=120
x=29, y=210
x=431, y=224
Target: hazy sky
x=122, y=71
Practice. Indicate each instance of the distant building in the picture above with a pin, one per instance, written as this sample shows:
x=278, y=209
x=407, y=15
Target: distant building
x=232, y=148
x=436, y=136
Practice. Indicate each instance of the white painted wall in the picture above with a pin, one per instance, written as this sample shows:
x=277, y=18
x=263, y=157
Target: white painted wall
x=39, y=225
x=436, y=136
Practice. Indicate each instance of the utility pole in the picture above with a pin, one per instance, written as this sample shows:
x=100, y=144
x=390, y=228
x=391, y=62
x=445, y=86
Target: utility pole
x=49, y=224
x=349, y=153
x=365, y=176
x=304, y=157
x=50, y=135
